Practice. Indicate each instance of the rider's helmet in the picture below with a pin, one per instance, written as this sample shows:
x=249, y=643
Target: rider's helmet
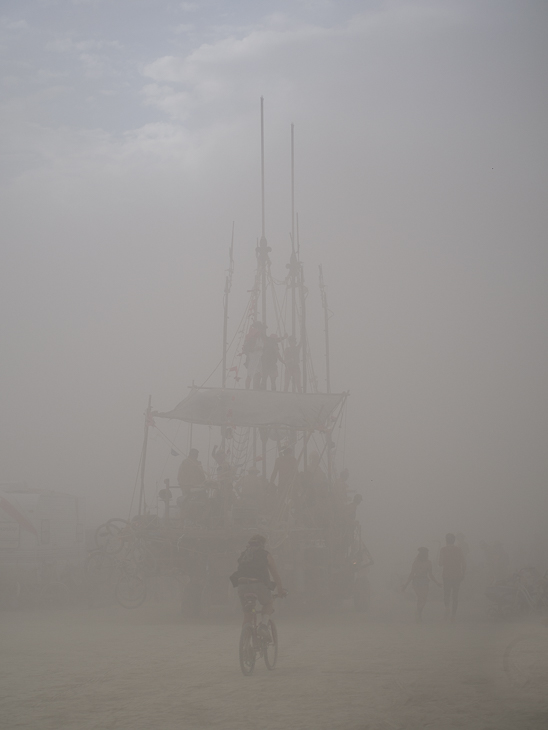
x=257, y=541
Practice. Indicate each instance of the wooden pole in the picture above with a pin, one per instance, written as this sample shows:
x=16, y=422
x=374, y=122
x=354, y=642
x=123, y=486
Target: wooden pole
x=262, y=169
x=144, y=457
x=263, y=246
x=263, y=260
x=323, y=292
x=303, y=345
x=228, y=286
x=293, y=268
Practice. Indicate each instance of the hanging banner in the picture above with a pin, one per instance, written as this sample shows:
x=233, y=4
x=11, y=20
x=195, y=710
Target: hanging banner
x=238, y=407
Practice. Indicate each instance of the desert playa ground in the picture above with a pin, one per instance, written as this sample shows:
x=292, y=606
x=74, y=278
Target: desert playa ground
x=111, y=668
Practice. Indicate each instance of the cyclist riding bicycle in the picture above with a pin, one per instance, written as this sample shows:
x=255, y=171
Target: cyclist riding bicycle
x=255, y=566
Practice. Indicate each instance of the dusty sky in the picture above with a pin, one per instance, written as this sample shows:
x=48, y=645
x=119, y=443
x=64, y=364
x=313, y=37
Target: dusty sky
x=130, y=142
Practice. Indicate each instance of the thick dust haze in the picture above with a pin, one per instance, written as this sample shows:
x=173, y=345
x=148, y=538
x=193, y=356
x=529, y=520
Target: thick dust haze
x=131, y=145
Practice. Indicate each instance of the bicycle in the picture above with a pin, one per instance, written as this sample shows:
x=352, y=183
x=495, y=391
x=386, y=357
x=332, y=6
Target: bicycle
x=525, y=661
x=252, y=643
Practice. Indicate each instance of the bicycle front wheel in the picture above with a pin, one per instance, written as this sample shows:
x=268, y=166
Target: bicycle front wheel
x=271, y=648
x=247, y=650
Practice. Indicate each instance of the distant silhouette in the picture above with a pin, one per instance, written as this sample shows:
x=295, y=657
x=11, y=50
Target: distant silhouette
x=420, y=576
x=453, y=567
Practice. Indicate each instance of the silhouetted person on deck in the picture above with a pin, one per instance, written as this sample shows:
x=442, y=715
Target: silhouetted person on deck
x=253, y=350
x=191, y=473
x=350, y=510
x=285, y=469
x=269, y=362
x=314, y=481
x=341, y=486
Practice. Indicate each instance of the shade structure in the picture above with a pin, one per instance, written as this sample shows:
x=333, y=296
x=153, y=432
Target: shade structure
x=238, y=407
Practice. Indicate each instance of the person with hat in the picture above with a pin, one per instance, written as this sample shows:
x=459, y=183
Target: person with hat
x=255, y=568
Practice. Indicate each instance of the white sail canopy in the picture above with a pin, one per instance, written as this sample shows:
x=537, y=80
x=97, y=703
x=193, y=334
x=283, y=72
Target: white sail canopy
x=238, y=407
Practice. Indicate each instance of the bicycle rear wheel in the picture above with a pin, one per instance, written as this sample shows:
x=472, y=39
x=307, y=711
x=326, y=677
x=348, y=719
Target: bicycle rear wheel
x=247, y=650
x=271, y=648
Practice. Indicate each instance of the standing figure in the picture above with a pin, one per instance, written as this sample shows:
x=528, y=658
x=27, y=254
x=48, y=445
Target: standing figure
x=253, y=350
x=269, y=362
x=341, y=486
x=219, y=455
x=292, y=375
x=453, y=567
x=420, y=576
x=285, y=469
x=314, y=493
x=191, y=474
x=351, y=509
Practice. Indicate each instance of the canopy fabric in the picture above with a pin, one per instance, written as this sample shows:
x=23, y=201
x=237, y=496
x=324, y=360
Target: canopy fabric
x=238, y=407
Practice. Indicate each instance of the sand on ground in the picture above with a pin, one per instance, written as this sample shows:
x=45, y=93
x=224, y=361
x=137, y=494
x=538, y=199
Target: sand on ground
x=151, y=669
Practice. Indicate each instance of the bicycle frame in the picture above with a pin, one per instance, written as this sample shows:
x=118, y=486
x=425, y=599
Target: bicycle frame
x=250, y=606
x=252, y=643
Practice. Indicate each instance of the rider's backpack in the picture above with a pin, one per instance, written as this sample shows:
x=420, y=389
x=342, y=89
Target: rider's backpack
x=252, y=563
x=245, y=559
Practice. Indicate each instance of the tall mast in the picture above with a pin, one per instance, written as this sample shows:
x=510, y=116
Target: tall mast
x=144, y=457
x=262, y=261
x=262, y=170
x=292, y=183
x=293, y=265
x=303, y=312
x=228, y=286
x=302, y=292
x=263, y=246
x=323, y=294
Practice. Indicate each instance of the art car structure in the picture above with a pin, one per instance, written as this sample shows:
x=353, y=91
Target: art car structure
x=274, y=467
